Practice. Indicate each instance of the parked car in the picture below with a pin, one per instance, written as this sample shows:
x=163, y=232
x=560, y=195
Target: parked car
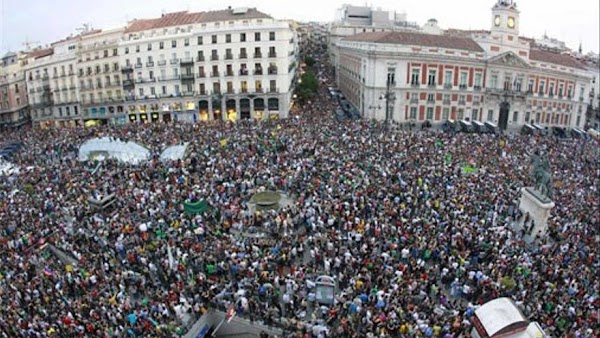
x=466, y=126
x=479, y=127
x=559, y=132
x=492, y=127
x=450, y=126
x=528, y=129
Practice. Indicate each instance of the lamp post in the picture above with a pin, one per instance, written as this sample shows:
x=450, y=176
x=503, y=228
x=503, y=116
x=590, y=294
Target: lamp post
x=390, y=98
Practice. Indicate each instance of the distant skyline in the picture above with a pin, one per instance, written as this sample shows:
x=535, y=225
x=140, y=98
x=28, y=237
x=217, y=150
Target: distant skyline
x=46, y=21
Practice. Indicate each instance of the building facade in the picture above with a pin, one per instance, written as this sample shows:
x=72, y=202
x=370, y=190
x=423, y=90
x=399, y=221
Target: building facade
x=493, y=76
x=99, y=75
x=14, y=107
x=221, y=65
x=52, y=84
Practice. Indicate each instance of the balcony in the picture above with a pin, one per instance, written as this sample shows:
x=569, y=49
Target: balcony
x=476, y=103
x=214, y=74
x=430, y=102
x=446, y=102
x=174, y=61
x=162, y=62
x=273, y=90
x=243, y=56
x=229, y=56
x=229, y=73
x=55, y=76
x=551, y=94
x=257, y=55
x=243, y=72
x=201, y=75
x=150, y=64
x=192, y=93
x=138, y=65
x=258, y=72
x=200, y=58
x=461, y=102
x=128, y=83
x=186, y=61
x=258, y=90
x=415, y=83
x=214, y=57
x=125, y=69
x=431, y=84
x=145, y=80
x=477, y=88
x=230, y=91
x=203, y=92
x=272, y=54
x=414, y=101
x=272, y=70
x=216, y=92
x=187, y=77
x=462, y=86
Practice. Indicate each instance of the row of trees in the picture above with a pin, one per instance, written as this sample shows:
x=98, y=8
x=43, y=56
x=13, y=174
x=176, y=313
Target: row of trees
x=308, y=85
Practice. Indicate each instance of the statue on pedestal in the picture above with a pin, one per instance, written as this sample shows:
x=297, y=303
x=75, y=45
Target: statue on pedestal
x=541, y=175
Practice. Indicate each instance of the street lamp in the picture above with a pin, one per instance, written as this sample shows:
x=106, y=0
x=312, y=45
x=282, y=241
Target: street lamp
x=390, y=98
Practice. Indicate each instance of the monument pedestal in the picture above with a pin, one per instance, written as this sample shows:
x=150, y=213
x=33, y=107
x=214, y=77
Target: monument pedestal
x=538, y=207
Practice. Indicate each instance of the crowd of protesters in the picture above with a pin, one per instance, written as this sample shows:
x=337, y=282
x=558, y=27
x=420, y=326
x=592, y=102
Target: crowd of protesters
x=414, y=242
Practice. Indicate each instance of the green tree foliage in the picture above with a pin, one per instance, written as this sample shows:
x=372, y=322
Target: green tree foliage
x=309, y=61
x=308, y=87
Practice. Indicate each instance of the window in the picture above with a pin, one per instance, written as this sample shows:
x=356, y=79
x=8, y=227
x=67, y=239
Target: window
x=152, y=91
x=414, y=77
x=126, y=50
x=174, y=44
x=151, y=75
x=431, y=97
x=271, y=36
x=106, y=53
x=186, y=42
x=273, y=85
x=446, y=98
x=515, y=117
x=561, y=89
x=242, y=37
x=463, y=80
x=490, y=115
x=137, y=48
x=244, y=86
x=213, y=39
x=258, y=85
x=448, y=78
x=527, y=116
x=430, y=113
x=161, y=45
x=200, y=42
x=141, y=91
x=115, y=52
x=530, y=86
x=478, y=80
x=551, y=89
x=391, y=76
x=413, y=113
x=414, y=97
x=541, y=89
x=494, y=81
x=431, y=78
x=257, y=36
x=461, y=114
x=445, y=113
x=227, y=38
x=164, y=90
x=474, y=114
x=149, y=46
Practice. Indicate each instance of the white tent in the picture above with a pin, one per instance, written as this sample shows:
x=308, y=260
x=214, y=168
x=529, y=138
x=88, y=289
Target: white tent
x=176, y=152
x=124, y=151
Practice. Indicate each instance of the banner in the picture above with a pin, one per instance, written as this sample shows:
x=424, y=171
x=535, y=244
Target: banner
x=196, y=207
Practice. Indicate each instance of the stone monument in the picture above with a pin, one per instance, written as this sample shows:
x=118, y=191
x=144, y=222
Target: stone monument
x=537, y=200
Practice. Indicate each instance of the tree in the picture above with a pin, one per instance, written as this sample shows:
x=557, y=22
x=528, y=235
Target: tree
x=309, y=61
x=308, y=86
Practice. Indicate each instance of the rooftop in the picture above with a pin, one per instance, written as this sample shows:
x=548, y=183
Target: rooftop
x=39, y=53
x=555, y=58
x=418, y=39
x=187, y=18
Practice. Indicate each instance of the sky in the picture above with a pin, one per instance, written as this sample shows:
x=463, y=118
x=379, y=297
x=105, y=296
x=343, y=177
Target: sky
x=46, y=21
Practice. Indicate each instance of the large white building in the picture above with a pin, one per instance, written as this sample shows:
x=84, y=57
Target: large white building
x=229, y=64
x=237, y=63
x=493, y=75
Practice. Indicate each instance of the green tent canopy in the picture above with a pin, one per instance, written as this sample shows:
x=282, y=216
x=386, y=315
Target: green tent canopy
x=195, y=207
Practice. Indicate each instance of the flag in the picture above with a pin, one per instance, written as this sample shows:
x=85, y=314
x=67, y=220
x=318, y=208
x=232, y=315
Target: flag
x=439, y=143
x=224, y=141
x=195, y=208
x=448, y=158
x=515, y=82
x=467, y=169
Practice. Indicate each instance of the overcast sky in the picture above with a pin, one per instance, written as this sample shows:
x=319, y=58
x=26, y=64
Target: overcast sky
x=45, y=21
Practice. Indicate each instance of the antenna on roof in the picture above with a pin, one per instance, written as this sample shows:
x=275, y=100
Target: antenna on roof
x=163, y=12
x=86, y=27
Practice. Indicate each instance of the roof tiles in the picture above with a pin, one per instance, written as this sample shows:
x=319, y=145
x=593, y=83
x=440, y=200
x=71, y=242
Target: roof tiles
x=186, y=18
x=418, y=39
x=554, y=58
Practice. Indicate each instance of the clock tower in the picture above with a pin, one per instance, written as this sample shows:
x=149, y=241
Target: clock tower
x=505, y=18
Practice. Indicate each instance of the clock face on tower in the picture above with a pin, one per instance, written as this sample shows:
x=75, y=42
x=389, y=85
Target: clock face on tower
x=511, y=22
x=497, y=20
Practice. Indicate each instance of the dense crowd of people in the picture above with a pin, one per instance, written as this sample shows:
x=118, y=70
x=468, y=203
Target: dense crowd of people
x=414, y=241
